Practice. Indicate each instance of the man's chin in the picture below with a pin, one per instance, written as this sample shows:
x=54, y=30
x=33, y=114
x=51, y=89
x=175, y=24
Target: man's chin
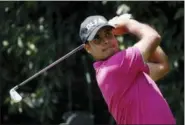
x=111, y=54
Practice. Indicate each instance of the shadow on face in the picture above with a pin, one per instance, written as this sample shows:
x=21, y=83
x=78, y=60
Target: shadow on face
x=103, y=45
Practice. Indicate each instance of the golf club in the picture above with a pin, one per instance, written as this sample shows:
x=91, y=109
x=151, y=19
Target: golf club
x=16, y=97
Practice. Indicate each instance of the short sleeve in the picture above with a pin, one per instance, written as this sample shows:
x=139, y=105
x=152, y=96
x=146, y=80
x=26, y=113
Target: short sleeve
x=132, y=61
x=128, y=61
x=146, y=69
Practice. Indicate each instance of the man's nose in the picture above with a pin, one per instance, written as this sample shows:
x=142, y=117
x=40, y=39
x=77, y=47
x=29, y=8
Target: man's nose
x=105, y=41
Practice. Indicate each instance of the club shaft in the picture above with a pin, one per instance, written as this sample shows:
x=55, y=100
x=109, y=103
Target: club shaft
x=51, y=65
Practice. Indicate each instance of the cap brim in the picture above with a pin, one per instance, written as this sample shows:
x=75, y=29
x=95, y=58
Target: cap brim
x=94, y=32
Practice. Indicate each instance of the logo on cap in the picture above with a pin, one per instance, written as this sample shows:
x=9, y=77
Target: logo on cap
x=94, y=23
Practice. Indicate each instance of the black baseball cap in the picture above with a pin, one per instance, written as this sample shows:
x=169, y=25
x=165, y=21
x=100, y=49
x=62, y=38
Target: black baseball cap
x=91, y=25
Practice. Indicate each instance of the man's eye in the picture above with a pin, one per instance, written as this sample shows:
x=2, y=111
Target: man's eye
x=97, y=40
x=108, y=34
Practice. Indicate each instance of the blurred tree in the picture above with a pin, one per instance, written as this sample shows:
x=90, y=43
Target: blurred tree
x=34, y=34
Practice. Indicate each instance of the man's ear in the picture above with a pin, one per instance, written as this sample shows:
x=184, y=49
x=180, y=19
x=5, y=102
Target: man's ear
x=87, y=47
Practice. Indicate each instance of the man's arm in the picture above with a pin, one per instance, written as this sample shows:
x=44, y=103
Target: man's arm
x=158, y=64
x=150, y=49
x=148, y=45
x=149, y=40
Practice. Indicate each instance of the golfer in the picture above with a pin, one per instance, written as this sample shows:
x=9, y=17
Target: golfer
x=127, y=77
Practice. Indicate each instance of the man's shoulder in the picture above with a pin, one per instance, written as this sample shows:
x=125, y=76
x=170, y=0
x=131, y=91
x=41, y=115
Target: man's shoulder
x=113, y=60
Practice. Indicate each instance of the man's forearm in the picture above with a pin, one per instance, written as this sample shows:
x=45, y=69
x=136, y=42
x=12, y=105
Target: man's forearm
x=158, y=64
x=158, y=56
x=139, y=29
x=149, y=38
x=148, y=45
x=157, y=59
x=142, y=31
x=157, y=70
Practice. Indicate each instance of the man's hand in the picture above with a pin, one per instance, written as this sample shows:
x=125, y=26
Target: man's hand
x=118, y=22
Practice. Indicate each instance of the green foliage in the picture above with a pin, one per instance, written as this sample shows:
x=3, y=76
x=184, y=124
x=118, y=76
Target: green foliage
x=34, y=34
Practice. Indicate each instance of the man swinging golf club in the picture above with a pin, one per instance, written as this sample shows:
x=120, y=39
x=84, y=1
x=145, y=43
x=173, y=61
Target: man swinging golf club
x=127, y=78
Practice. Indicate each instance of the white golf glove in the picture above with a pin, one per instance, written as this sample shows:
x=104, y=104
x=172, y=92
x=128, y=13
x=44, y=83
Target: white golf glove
x=120, y=20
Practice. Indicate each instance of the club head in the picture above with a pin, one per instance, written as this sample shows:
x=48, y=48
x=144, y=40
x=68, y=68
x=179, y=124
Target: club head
x=15, y=96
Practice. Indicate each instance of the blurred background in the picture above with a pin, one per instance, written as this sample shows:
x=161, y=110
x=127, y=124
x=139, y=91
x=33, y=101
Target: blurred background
x=35, y=34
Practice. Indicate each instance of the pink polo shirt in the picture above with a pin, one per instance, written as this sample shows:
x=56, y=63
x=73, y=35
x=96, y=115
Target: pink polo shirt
x=131, y=95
